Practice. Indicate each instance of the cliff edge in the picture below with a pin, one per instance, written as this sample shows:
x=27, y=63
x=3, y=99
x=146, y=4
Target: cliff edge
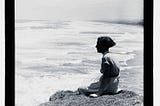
x=72, y=98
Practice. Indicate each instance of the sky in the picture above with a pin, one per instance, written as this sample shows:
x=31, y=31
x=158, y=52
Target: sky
x=79, y=9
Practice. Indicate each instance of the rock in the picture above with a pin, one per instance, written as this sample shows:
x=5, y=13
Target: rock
x=70, y=98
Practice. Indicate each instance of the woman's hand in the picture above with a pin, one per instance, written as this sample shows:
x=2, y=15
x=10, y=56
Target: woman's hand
x=93, y=95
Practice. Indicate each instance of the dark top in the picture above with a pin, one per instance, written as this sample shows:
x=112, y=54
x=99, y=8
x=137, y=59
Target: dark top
x=109, y=66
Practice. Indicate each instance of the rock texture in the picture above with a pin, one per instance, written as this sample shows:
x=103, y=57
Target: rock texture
x=70, y=98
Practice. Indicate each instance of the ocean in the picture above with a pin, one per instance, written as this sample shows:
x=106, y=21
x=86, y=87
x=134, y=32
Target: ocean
x=60, y=55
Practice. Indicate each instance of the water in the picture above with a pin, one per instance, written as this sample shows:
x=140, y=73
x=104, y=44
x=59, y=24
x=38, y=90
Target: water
x=53, y=56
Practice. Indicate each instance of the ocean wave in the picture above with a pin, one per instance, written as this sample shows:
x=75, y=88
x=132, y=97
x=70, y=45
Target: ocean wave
x=101, y=32
x=127, y=22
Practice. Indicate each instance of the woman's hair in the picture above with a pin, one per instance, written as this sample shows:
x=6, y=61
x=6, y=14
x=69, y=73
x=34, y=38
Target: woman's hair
x=106, y=41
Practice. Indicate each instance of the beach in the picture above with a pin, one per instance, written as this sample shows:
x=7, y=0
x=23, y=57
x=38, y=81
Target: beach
x=53, y=56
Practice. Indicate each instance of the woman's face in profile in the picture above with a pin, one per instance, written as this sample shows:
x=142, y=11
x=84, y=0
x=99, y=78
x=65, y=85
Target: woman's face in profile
x=100, y=48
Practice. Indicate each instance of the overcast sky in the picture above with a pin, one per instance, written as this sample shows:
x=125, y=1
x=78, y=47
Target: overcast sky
x=79, y=9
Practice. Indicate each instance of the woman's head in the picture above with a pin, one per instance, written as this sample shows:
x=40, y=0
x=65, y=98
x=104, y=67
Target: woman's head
x=104, y=43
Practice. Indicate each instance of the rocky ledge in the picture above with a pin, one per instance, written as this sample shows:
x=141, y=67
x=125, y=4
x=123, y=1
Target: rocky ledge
x=70, y=98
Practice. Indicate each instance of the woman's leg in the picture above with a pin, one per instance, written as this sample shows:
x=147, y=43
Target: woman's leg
x=86, y=92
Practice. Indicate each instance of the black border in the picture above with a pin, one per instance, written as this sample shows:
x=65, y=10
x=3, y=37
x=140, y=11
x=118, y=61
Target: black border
x=148, y=52
x=10, y=52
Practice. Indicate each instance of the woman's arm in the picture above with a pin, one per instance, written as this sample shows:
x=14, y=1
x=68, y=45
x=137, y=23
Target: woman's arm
x=105, y=77
x=105, y=80
x=103, y=85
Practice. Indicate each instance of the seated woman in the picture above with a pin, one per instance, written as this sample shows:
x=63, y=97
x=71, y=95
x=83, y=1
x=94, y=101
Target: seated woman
x=108, y=82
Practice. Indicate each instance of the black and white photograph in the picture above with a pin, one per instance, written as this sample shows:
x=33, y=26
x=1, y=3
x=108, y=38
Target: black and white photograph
x=79, y=53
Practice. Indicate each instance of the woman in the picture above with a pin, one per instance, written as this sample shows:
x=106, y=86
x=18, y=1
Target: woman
x=108, y=83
